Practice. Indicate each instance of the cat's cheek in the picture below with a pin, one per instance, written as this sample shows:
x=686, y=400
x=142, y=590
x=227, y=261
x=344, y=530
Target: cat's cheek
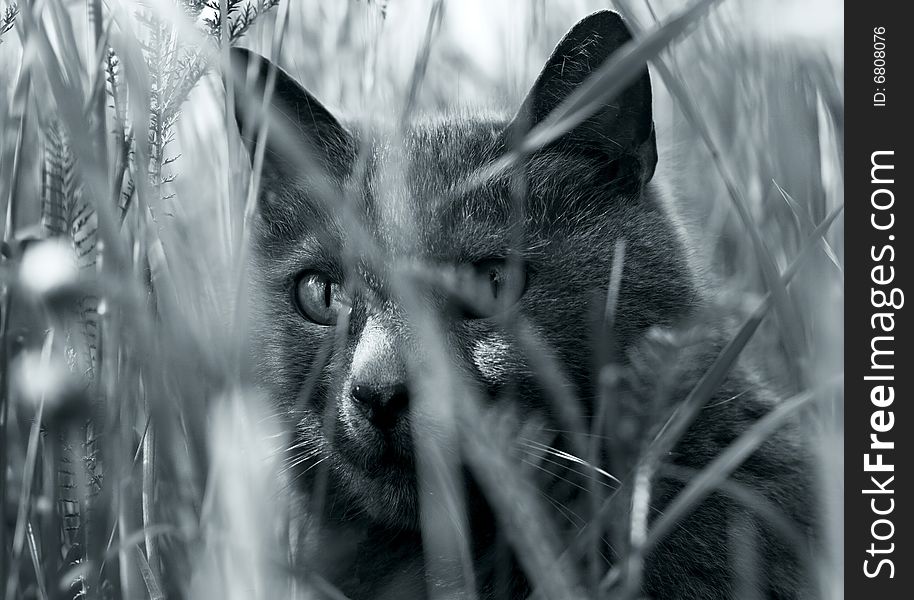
x=491, y=357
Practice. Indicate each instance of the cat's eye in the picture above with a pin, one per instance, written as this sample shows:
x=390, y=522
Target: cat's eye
x=491, y=286
x=318, y=298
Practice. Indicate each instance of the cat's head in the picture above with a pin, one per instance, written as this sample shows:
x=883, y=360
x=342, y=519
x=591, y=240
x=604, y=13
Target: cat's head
x=380, y=258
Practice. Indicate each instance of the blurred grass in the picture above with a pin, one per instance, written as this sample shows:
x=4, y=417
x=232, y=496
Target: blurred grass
x=112, y=137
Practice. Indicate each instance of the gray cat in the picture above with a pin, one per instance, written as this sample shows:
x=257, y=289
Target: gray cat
x=367, y=238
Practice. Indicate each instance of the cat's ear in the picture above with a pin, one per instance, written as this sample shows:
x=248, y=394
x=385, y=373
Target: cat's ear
x=302, y=133
x=622, y=130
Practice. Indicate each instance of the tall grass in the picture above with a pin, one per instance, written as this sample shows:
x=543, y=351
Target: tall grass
x=137, y=459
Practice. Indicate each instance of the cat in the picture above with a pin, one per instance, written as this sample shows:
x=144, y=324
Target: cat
x=368, y=237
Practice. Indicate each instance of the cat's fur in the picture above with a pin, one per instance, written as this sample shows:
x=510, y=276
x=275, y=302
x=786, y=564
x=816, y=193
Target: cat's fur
x=355, y=201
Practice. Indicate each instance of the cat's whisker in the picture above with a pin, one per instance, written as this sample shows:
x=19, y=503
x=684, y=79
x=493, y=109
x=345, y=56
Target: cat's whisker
x=284, y=454
x=555, y=475
x=302, y=455
x=292, y=461
x=570, y=458
x=571, y=470
x=570, y=515
x=304, y=443
x=298, y=476
x=276, y=416
x=301, y=444
x=727, y=400
x=589, y=434
x=298, y=459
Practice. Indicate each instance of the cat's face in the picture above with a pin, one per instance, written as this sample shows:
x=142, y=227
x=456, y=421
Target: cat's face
x=387, y=280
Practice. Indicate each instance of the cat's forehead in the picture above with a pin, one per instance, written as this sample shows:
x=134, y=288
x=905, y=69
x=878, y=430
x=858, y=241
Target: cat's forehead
x=414, y=188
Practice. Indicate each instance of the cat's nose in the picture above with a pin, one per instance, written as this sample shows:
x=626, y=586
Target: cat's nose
x=382, y=405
